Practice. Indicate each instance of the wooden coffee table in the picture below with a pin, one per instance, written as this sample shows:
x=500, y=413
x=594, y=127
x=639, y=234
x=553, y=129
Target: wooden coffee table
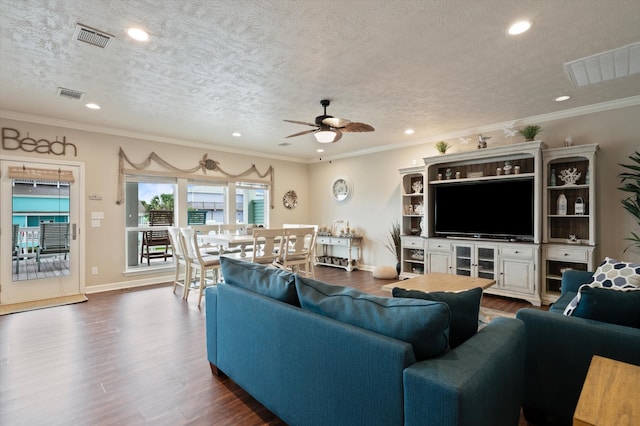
x=440, y=282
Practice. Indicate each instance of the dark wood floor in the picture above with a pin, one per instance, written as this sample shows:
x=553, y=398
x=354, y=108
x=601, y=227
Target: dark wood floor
x=128, y=358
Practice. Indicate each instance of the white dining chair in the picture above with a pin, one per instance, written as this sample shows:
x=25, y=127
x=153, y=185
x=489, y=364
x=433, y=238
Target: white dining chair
x=298, y=251
x=198, y=265
x=267, y=245
x=179, y=254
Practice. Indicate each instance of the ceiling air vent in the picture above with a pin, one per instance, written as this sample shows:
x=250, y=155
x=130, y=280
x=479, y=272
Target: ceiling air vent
x=92, y=36
x=605, y=66
x=70, y=94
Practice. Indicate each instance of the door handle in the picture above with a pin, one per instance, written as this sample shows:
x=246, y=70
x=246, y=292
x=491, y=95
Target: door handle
x=73, y=231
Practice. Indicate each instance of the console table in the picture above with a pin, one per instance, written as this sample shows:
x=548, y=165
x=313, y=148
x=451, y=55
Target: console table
x=324, y=252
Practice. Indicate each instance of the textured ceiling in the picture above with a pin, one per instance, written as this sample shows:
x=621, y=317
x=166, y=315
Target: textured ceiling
x=217, y=67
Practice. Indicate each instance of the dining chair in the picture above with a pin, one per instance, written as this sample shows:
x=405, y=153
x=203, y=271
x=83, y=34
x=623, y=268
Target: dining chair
x=180, y=257
x=266, y=243
x=297, y=251
x=198, y=264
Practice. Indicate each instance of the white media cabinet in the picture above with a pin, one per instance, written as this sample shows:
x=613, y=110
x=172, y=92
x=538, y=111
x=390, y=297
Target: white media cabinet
x=528, y=270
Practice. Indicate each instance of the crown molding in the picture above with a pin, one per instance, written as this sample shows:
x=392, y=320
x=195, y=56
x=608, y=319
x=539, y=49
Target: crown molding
x=535, y=119
x=542, y=118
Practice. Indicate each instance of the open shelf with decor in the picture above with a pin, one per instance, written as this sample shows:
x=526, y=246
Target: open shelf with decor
x=569, y=210
x=412, y=185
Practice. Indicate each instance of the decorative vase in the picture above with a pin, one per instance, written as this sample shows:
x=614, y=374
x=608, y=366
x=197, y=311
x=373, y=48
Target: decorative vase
x=562, y=205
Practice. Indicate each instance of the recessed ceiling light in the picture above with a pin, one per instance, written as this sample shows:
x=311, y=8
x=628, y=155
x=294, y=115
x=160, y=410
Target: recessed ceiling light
x=92, y=106
x=408, y=132
x=519, y=27
x=236, y=134
x=319, y=150
x=562, y=98
x=138, y=34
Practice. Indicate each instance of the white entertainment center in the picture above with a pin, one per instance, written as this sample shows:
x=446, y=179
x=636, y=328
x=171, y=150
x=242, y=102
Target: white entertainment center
x=526, y=265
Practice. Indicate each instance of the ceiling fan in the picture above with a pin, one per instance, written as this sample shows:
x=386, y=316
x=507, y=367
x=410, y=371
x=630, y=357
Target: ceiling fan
x=329, y=129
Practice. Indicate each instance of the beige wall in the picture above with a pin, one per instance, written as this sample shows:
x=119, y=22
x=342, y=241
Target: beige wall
x=376, y=200
x=99, y=152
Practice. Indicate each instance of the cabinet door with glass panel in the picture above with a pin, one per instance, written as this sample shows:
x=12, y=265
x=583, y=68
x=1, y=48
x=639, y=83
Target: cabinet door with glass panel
x=475, y=260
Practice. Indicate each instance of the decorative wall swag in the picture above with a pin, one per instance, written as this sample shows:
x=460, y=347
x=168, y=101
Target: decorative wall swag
x=12, y=141
x=203, y=165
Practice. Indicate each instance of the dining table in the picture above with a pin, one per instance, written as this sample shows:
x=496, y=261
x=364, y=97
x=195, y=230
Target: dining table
x=227, y=242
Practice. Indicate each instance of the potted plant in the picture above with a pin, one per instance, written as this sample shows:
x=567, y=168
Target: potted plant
x=442, y=147
x=393, y=243
x=631, y=183
x=530, y=132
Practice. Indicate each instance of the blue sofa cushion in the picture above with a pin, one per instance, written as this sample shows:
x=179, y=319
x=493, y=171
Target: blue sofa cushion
x=423, y=323
x=268, y=281
x=610, y=274
x=464, y=306
x=610, y=306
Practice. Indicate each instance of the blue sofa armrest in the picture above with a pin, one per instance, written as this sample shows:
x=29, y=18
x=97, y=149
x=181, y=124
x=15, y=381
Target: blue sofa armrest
x=559, y=351
x=573, y=279
x=479, y=383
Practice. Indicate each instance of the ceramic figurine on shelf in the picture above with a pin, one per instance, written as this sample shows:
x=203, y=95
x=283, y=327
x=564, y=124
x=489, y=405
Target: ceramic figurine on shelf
x=417, y=187
x=448, y=173
x=552, y=178
x=507, y=168
x=482, y=141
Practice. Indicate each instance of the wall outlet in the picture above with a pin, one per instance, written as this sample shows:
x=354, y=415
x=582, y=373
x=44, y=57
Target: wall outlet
x=94, y=270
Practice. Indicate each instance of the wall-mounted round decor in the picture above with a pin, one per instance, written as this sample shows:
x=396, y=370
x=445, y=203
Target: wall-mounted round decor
x=290, y=200
x=341, y=190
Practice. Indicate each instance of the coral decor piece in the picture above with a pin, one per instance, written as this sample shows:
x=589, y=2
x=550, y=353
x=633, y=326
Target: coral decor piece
x=570, y=176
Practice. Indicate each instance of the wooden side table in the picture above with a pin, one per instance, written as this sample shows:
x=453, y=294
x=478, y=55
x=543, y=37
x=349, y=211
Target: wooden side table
x=609, y=395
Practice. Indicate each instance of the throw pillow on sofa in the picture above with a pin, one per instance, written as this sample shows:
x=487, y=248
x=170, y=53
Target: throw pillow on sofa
x=610, y=306
x=423, y=323
x=272, y=282
x=464, y=306
x=613, y=274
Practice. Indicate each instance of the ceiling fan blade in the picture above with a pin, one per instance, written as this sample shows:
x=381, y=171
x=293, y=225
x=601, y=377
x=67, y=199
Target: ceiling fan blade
x=302, y=133
x=338, y=135
x=336, y=122
x=301, y=122
x=357, y=127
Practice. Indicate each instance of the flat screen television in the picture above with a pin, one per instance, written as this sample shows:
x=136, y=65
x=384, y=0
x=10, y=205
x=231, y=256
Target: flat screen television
x=485, y=209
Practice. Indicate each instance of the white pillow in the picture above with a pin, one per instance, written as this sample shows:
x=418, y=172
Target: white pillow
x=612, y=274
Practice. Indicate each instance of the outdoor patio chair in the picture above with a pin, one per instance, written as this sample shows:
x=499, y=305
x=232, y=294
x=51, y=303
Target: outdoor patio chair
x=54, y=239
x=160, y=238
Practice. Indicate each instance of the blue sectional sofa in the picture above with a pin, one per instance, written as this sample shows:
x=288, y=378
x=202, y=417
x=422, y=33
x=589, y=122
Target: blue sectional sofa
x=559, y=351
x=265, y=333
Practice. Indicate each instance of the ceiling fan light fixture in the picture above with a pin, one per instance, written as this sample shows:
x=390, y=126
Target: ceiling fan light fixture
x=325, y=136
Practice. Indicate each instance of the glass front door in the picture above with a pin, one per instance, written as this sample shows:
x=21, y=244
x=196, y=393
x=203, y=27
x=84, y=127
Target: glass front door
x=39, y=242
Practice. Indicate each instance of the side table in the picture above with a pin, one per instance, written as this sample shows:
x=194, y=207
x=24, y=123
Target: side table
x=609, y=395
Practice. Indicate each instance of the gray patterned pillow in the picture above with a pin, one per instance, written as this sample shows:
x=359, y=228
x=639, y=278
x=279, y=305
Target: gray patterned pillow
x=612, y=274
